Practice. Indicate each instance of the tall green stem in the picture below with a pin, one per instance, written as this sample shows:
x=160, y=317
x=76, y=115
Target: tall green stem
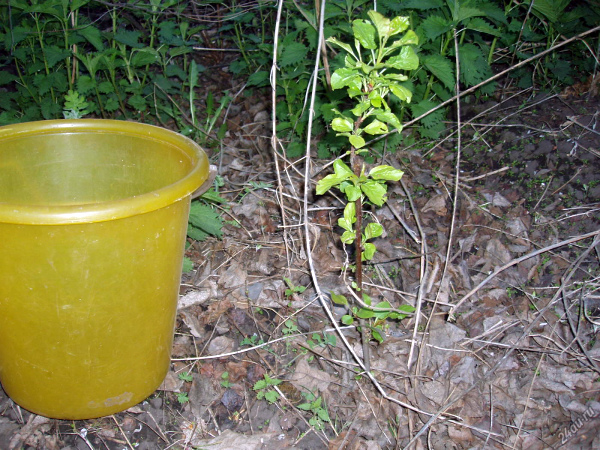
x=356, y=165
x=36, y=18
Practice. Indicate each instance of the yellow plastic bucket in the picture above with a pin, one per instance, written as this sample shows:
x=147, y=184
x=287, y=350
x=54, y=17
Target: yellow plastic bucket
x=93, y=218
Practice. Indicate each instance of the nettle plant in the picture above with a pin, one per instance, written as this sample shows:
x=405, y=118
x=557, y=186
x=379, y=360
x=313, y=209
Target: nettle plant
x=369, y=76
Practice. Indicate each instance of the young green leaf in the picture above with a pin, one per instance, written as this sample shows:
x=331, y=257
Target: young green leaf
x=185, y=376
x=409, y=38
x=375, y=99
x=271, y=396
x=383, y=314
x=356, y=141
x=347, y=319
x=376, y=333
x=360, y=108
x=382, y=24
x=342, y=169
x=369, y=251
x=341, y=173
x=373, y=230
x=260, y=384
x=407, y=59
x=345, y=77
x=352, y=192
x=348, y=237
x=341, y=44
x=342, y=125
x=399, y=24
x=374, y=191
x=376, y=127
x=345, y=224
x=366, y=298
x=364, y=32
x=349, y=215
x=385, y=172
x=364, y=313
x=338, y=299
x=323, y=414
x=406, y=308
x=401, y=92
x=389, y=118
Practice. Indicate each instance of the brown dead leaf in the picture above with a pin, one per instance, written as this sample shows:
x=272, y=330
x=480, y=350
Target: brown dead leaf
x=220, y=345
x=497, y=252
x=235, y=275
x=437, y=204
x=171, y=383
x=202, y=394
x=307, y=377
x=29, y=432
x=230, y=440
x=214, y=311
x=236, y=370
x=460, y=435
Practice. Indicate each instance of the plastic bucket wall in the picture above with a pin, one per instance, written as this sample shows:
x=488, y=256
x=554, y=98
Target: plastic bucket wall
x=93, y=218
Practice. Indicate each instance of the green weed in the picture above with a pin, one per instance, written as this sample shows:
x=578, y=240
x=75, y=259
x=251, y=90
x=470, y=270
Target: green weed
x=317, y=408
x=264, y=389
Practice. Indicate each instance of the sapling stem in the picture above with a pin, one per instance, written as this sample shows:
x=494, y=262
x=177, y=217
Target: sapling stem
x=358, y=251
x=368, y=78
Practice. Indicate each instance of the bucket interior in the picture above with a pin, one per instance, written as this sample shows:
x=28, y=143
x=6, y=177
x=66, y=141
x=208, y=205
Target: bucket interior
x=88, y=163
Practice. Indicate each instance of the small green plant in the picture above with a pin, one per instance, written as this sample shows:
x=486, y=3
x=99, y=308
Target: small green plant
x=369, y=77
x=264, y=389
x=375, y=316
x=225, y=380
x=290, y=327
x=317, y=408
x=292, y=289
x=254, y=186
x=75, y=106
x=317, y=341
x=183, y=397
x=185, y=376
x=252, y=341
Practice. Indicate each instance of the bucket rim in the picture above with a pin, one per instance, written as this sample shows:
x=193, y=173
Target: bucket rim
x=164, y=196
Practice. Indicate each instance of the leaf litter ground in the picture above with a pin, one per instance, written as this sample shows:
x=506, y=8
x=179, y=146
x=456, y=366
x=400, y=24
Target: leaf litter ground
x=517, y=367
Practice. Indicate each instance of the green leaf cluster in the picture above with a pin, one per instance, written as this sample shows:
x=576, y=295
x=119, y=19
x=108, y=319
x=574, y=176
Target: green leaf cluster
x=317, y=407
x=204, y=221
x=371, y=186
x=375, y=315
x=75, y=106
x=292, y=289
x=95, y=57
x=483, y=27
x=264, y=389
x=374, y=67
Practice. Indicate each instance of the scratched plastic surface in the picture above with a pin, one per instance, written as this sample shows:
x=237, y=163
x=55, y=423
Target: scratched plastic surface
x=93, y=218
